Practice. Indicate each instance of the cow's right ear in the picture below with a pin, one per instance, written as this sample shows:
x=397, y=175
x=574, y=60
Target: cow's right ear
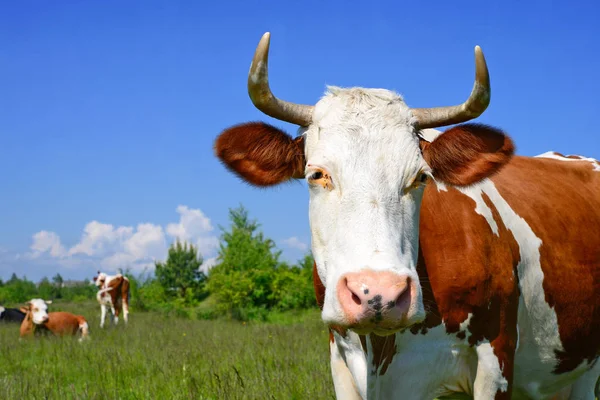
x=261, y=154
x=465, y=154
x=24, y=310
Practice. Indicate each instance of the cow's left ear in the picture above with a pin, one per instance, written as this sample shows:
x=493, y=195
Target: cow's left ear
x=468, y=153
x=261, y=154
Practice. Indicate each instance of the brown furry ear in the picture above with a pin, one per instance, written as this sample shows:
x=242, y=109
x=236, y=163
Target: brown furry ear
x=468, y=153
x=260, y=153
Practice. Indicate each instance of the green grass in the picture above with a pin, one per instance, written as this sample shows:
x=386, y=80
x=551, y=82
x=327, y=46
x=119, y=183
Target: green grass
x=156, y=357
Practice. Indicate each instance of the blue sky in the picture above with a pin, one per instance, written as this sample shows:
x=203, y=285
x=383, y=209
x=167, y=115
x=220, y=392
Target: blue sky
x=109, y=110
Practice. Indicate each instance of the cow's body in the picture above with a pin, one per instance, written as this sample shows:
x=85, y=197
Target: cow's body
x=113, y=294
x=11, y=315
x=442, y=263
x=510, y=269
x=38, y=321
x=59, y=324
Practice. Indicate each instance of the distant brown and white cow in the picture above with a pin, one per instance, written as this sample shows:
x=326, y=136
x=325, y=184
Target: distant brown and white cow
x=443, y=264
x=59, y=323
x=113, y=293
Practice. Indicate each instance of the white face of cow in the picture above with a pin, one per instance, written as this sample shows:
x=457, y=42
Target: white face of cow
x=39, y=310
x=365, y=174
x=100, y=279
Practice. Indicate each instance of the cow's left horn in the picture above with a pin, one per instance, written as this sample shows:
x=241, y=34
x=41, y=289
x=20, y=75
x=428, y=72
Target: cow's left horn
x=260, y=92
x=470, y=109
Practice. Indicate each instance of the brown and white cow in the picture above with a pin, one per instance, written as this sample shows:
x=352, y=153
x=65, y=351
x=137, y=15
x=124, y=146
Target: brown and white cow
x=443, y=264
x=113, y=293
x=39, y=320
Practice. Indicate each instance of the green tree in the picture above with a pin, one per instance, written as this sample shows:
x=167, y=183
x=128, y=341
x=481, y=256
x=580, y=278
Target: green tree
x=17, y=290
x=293, y=286
x=180, y=275
x=13, y=278
x=46, y=290
x=247, y=260
x=58, y=280
x=76, y=291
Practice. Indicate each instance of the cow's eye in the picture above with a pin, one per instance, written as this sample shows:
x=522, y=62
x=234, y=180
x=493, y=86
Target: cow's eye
x=420, y=180
x=317, y=176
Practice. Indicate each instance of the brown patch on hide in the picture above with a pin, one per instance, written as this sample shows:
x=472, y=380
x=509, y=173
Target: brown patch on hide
x=560, y=201
x=471, y=270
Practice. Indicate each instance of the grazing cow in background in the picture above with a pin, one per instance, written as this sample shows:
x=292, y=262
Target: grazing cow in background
x=113, y=293
x=443, y=264
x=59, y=323
x=11, y=315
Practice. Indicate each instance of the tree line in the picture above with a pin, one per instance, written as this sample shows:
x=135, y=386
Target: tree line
x=19, y=290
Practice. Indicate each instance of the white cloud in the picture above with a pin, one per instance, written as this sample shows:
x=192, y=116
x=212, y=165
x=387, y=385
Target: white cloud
x=295, y=243
x=194, y=227
x=111, y=247
x=118, y=260
x=191, y=222
x=49, y=242
x=208, y=264
x=99, y=238
x=147, y=242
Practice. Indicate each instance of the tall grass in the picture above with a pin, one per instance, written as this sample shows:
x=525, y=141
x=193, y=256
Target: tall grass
x=157, y=357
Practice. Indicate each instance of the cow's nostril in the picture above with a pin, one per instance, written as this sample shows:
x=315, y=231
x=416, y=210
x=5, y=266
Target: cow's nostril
x=354, y=296
x=403, y=297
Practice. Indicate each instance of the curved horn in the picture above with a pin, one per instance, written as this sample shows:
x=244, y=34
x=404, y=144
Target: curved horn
x=470, y=109
x=260, y=93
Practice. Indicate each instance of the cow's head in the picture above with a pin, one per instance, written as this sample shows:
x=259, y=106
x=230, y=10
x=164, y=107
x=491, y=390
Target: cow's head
x=365, y=158
x=38, y=310
x=100, y=279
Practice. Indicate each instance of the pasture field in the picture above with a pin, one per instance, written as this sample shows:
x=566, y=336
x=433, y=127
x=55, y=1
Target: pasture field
x=159, y=357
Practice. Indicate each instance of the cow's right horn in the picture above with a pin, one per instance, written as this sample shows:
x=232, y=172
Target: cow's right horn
x=470, y=109
x=263, y=98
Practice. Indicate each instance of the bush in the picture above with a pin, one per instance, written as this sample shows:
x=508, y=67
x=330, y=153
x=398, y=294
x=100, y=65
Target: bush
x=149, y=296
x=180, y=276
x=17, y=290
x=249, y=280
x=78, y=291
x=293, y=289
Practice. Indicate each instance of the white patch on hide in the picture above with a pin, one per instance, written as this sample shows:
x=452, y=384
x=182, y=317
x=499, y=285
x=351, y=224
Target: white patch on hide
x=550, y=154
x=489, y=378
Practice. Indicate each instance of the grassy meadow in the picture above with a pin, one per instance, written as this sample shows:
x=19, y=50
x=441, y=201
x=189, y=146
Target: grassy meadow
x=159, y=357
